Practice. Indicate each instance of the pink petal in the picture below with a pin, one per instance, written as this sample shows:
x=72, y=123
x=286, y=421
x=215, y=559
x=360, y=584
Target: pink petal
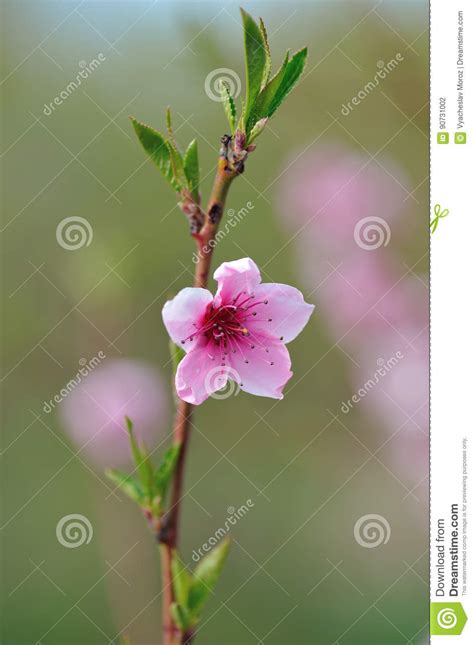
x=236, y=277
x=267, y=370
x=200, y=373
x=285, y=314
x=184, y=313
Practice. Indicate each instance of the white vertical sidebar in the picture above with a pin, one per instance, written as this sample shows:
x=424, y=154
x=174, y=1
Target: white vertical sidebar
x=452, y=321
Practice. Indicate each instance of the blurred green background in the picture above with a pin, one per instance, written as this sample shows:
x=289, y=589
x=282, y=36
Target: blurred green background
x=280, y=584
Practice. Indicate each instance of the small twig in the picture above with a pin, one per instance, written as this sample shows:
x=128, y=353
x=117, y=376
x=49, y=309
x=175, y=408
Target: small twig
x=169, y=531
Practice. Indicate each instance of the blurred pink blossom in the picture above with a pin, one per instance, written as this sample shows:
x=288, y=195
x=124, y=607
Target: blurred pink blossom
x=360, y=299
x=329, y=191
x=374, y=305
x=94, y=412
x=400, y=399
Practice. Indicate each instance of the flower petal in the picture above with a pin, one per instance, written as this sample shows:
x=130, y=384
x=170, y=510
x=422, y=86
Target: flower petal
x=236, y=277
x=285, y=314
x=184, y=313
x=200, y=373
x=263, y=370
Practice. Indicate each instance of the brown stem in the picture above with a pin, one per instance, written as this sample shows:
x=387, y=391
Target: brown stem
x=169, y=532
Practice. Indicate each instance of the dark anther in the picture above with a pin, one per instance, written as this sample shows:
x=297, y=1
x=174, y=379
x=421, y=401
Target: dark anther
x=215, y=213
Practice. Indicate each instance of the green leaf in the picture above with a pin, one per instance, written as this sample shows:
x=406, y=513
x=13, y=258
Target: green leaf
x=273, y=95
x=191, y=169
x=229, y=106
x=257, y=129
x=293, y=71
x=180, y=616
x=255, y=60
x=176, y=162
x=169, y=125
x=127, y=483
x=205, y=578
x=268, y=58
x=141, y=459
x=262, y=104
x=181, y=580
x=157, y=148
x=165, y=470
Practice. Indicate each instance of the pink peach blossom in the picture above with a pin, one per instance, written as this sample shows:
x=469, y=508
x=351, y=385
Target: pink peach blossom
x=239, y=334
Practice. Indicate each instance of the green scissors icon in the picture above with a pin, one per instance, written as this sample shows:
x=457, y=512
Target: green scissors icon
x=438, y=215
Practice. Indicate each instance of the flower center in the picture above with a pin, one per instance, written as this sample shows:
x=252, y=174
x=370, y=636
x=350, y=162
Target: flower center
x=227, y=323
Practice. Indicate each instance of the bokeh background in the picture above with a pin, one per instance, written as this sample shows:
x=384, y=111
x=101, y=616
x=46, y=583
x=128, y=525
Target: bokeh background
x=297, y=573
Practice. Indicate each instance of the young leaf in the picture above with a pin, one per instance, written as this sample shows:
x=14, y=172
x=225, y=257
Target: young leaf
x=156, y=147
x=257, y=129
x=180, y=616
x=268, y=58
x=229, y=106
x=165, y=470
x=205, y=577
x=141, y=459
x=255, y=60
x=127, y=483
x=181, y=580
x=262, y=104
x=169, y=125
x=191, y=169
x=293, y=71
x=176, y=163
